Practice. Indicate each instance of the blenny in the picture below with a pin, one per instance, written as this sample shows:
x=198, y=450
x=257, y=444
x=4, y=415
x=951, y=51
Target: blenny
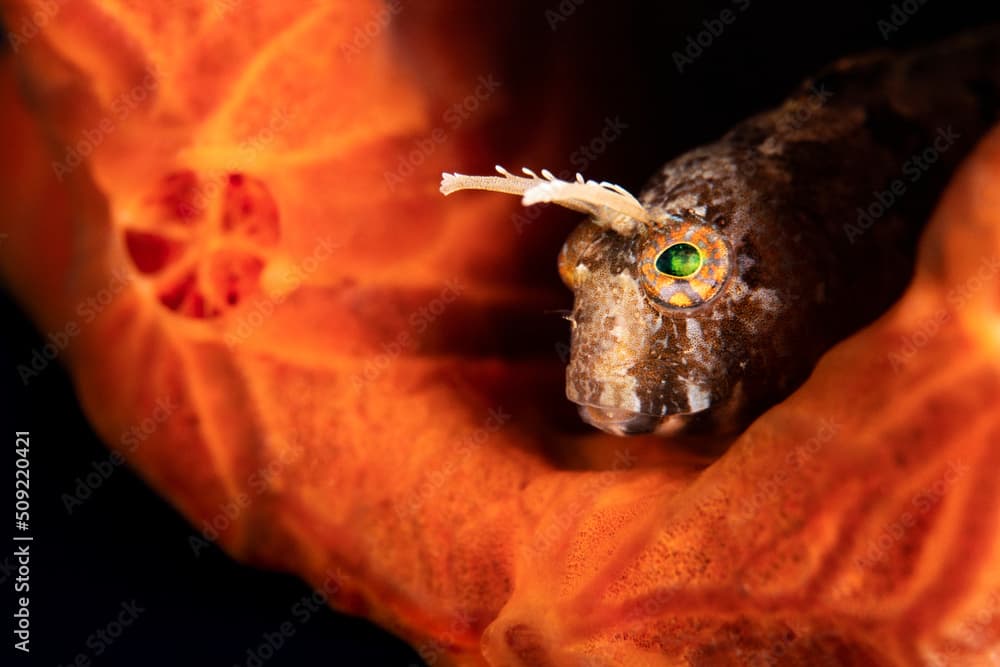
x=711, y=296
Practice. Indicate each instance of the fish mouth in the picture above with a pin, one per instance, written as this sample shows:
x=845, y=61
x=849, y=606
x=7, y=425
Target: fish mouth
x=617, y=421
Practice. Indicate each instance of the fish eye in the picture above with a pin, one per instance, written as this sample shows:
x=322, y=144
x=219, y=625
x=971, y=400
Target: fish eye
x=679, y=260
x=685, y=265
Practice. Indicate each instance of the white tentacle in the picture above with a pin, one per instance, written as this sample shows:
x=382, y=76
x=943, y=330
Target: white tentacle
x=611, y=206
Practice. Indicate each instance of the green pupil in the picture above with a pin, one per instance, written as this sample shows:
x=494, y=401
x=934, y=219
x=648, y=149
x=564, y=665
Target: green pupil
x=679, y=260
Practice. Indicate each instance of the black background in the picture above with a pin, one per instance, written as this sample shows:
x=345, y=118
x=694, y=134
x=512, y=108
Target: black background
x=125, y=543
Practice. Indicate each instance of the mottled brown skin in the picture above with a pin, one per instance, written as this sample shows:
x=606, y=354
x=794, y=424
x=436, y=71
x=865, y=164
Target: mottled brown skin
x=785, y=189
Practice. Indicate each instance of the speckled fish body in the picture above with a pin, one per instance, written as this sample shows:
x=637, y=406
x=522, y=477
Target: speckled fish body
x=820, y=201
x=712, y=296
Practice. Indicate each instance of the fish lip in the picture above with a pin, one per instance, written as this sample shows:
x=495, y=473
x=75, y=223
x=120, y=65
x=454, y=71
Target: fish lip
x=622, y=422
x=618, y=421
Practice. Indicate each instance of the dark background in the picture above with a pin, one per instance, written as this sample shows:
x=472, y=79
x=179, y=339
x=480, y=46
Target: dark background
x=125, y=543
